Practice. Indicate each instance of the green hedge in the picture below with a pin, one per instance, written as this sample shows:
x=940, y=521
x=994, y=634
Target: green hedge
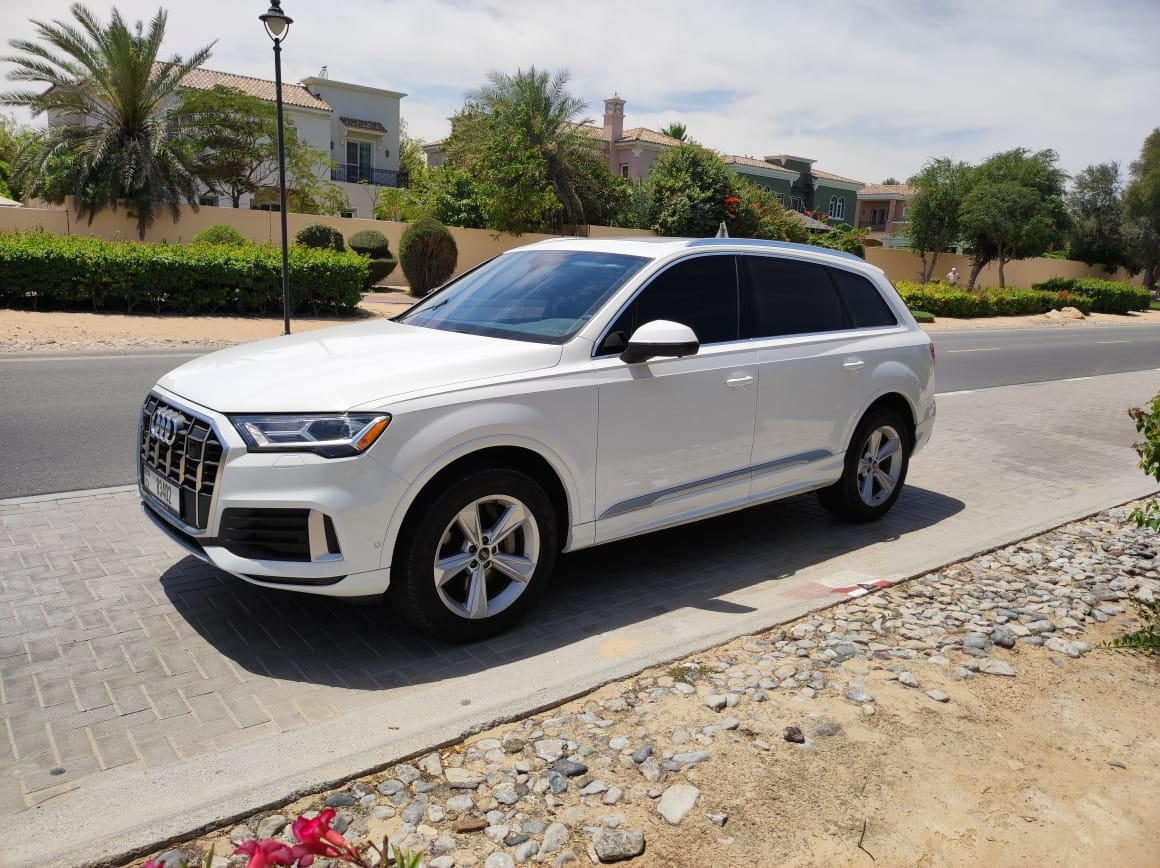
x=1107, y=296
x=942, y=300
x=43, y=270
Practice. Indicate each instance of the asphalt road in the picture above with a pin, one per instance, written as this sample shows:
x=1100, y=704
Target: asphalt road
x=67, y=421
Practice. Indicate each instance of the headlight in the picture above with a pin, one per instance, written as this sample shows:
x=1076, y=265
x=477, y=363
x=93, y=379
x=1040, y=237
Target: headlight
x=327, y=434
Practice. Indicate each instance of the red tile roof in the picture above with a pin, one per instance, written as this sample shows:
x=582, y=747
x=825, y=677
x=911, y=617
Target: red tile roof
x=292, y=94
x=899, y=191
x=826, y=176
x=734, y=159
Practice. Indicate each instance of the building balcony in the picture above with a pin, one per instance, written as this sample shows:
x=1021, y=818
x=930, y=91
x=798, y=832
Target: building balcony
x=354, y=174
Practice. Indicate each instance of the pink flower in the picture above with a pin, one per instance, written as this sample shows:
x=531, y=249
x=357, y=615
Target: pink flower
x=271, y=852
x=318, y=838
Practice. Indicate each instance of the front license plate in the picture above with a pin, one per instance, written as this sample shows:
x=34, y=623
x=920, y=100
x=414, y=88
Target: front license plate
x=162, y=489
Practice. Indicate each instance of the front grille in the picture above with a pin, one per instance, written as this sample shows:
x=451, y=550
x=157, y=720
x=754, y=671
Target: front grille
x=266, y=534
x=191, y=461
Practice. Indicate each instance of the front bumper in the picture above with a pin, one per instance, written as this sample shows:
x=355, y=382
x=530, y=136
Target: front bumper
x=337, y=511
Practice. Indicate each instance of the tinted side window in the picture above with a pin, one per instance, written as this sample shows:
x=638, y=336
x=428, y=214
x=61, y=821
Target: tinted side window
x=788, y=297
x=866, y=305
x=700, y=293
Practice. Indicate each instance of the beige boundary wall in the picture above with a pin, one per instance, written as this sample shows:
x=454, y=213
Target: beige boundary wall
x=905, y=265
x=478, y=245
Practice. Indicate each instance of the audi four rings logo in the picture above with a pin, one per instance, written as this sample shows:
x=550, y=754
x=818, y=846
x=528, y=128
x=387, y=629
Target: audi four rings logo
x=164, y=426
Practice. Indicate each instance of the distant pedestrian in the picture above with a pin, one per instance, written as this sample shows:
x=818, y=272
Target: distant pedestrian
x=953, y=276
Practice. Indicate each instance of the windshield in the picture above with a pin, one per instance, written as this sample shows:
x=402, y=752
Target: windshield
x=544, y=296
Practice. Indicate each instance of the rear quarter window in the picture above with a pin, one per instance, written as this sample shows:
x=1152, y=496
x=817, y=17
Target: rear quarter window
x=865, y=303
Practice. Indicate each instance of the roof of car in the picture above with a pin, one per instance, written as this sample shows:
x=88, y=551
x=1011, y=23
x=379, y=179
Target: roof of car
x=657, y=248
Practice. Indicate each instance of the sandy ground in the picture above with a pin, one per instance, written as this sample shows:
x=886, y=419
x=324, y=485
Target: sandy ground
x=37, y=331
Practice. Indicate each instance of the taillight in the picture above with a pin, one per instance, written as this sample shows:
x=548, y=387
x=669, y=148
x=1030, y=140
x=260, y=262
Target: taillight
x=932, y=352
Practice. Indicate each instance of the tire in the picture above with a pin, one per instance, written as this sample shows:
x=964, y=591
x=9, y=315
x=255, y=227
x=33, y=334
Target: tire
x=451, y=579
x=870, y=485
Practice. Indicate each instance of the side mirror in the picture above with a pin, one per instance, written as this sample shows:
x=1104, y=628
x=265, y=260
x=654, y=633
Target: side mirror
x=661, y=337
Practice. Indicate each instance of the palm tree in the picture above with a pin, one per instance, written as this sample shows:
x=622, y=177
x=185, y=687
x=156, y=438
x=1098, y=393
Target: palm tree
x=675, y=130
x=107, y=101
x=539, y=109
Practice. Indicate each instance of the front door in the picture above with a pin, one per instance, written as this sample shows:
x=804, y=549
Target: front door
x=675, y=435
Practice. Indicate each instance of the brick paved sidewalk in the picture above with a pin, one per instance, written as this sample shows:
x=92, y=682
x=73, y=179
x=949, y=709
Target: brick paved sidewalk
x=130, y=671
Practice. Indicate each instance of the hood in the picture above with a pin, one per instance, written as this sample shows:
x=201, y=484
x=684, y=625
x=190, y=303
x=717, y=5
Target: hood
x=336, y=369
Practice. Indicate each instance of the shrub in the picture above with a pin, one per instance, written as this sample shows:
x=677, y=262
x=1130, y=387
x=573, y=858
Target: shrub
x=923, y=316
x=944, y=300
x=221, y=233
x=428, y=254
x=41, y=268
x=370, y=242
x=1107, y=296
x=320, y=236
x=374, y=245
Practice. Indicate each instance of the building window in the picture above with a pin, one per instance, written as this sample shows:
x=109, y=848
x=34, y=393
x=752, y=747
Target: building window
x=350, y=212
x=624, y=171
x=838, y=207
x=781, y=198
x=359, y=161
x=797, y=203
x=210, y=201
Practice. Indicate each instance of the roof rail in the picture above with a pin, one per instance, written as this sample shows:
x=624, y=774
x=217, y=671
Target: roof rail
x=776, y=245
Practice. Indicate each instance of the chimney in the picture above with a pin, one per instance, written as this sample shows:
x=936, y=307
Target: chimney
x=613, y=118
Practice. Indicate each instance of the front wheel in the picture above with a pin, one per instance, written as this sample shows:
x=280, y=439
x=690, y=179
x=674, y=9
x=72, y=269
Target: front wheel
x=875, y=468
x=478, y=555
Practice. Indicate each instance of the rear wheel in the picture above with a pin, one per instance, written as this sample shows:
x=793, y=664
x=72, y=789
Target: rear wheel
x=478, y=555
x=875, y=468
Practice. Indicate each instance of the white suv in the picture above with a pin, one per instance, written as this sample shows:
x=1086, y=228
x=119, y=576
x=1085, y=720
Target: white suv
x=561, y=395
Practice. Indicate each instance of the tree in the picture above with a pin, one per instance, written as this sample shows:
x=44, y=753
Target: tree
x=309, y=189
x=521, y=137
x=934, y=211
x=233, y=138
x=1142, y=210
x=13, y=138
x=774, y=221
x=891, y=181
x=411, y=162
x=692, y=191
x=107, y=94
x=675, y=130
x=1014, y=209
x=1097, y=217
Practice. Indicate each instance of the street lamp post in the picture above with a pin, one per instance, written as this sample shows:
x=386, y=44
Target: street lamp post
x=277, y=25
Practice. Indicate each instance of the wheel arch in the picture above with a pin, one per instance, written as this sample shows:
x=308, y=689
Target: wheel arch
x=519, y=458
x=897, y=402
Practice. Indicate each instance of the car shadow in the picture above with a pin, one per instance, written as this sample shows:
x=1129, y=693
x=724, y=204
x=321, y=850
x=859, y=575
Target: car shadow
x=356, y=644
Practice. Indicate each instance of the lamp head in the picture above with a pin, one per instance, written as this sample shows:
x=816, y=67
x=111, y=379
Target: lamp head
x=277, y=22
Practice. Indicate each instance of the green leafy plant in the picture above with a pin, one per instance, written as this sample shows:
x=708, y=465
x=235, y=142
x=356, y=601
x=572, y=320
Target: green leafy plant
x=41, y=269
x=1107, y=296
x=923, y=316
x=1148, y=423
x=428, y=254
x=374, y=245
x=221, y=233
x=320, y=236
x=943, y=300
x=1147, y=638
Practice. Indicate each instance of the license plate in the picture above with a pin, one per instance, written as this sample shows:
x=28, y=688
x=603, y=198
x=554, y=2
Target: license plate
x=162, y=489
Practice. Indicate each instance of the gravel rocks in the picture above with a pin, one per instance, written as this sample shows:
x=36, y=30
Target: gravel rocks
x=578, y=778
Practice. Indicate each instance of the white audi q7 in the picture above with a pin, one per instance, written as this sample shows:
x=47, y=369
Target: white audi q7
x=562, y=395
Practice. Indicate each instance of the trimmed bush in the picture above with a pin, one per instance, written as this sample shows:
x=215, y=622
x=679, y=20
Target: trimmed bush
x=373, y=244
x=370, y=242
x=41, y=269
x=943, y=300
x=922, y=316
x=221, y=233
x=428, y=255
x=320, y=237
x=1107, y=296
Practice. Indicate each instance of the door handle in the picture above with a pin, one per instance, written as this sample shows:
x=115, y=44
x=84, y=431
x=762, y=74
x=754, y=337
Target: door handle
x=853, y=365
x=739, y=382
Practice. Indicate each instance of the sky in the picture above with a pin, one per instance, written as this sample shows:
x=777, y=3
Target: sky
x=867, y=89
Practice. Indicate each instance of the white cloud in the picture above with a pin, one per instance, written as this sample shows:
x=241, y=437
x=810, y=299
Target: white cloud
x=869, y=89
